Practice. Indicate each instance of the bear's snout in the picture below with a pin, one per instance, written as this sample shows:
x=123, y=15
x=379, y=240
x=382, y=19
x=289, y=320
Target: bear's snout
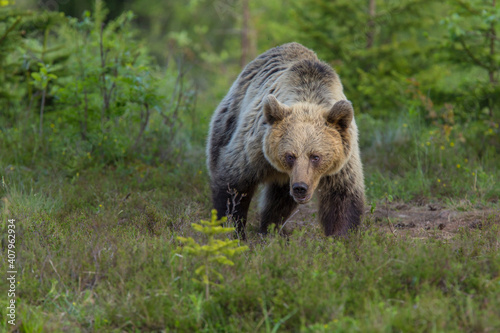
x=299, y=189
x=299, y=192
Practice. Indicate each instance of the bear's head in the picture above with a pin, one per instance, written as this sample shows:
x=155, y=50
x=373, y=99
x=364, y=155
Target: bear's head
x=307, y=141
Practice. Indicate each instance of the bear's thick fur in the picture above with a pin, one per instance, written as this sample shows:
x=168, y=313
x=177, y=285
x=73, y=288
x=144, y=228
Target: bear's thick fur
x=286, y=123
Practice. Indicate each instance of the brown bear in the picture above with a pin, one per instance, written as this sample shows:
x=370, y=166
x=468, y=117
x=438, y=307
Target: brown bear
x=286, y=123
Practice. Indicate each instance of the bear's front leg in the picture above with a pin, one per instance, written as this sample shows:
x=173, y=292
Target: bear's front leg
x=277, y=205
x=341, y=204
x=233, y=201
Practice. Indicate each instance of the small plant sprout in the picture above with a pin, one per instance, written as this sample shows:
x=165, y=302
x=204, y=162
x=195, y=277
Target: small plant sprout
x=215, y=252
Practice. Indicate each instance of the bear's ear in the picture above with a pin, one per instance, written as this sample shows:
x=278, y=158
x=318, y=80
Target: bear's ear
x=341, y=114
x=274, y=110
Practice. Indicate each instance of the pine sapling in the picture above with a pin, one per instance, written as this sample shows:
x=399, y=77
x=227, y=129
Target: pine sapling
x=215, y=252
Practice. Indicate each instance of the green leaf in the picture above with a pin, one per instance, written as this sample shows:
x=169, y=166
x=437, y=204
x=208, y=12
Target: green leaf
x=36, y=76
x=197, y=227
x=223, y=260
x=219, y=275
x=200, y=270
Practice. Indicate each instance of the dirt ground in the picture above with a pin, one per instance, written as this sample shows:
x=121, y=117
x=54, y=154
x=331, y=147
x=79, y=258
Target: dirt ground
x=414, y=220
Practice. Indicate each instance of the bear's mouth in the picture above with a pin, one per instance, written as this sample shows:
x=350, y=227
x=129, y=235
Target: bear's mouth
x=302, y=199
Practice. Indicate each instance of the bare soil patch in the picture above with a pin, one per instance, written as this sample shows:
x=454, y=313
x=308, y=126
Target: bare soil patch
x=411, y=219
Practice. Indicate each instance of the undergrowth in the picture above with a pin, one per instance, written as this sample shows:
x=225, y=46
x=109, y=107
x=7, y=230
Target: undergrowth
x=98, y=253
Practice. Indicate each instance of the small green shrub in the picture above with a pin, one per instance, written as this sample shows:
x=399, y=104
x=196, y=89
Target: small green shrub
x=215, y=251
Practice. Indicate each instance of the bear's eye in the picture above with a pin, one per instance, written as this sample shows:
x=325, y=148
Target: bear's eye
x=315, y=159
x=290, y=159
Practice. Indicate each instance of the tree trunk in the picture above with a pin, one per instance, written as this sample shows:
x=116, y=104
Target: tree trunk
x=245, y=41
x=492, y=70
x=492, y=49
x=370, y=33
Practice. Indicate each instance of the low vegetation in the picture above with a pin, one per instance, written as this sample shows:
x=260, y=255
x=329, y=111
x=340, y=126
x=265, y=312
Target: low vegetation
x=100, y=254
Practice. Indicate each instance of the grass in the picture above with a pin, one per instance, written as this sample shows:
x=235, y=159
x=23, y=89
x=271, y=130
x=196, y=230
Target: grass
x=411, y=160
x=98, y=253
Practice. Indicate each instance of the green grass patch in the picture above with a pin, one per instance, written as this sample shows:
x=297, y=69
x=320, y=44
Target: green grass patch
x=99, y=253
x=410, y=159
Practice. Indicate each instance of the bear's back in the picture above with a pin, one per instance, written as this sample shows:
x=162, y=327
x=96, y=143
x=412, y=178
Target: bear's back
x=290, y=52
x=291, y=72
x=271, y=64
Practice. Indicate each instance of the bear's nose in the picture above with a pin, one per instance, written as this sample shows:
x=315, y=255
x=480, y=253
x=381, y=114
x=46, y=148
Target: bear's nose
x=299, y=189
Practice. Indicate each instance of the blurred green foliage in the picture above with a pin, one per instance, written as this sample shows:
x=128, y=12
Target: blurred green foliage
x=97, y=94
x=415, y=43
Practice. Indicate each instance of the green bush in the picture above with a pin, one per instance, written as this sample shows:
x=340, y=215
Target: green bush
x=80, y=93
